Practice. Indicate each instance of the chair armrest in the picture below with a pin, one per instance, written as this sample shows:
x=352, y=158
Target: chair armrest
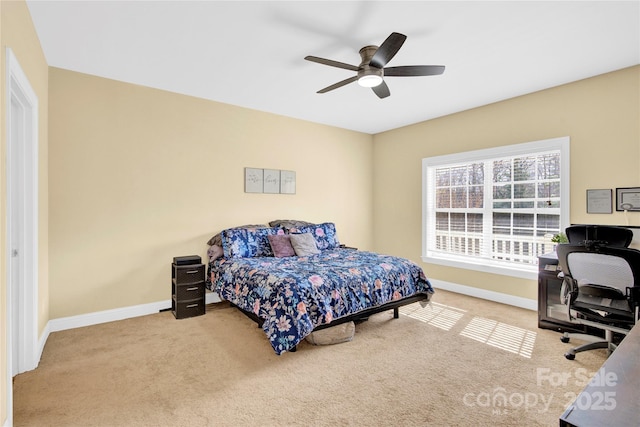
x=633, y=295
x=569, y=290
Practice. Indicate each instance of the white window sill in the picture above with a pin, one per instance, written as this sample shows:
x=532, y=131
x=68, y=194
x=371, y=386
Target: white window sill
x=522, y=272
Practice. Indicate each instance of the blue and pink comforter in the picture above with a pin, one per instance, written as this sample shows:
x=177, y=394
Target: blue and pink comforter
x=295, y=294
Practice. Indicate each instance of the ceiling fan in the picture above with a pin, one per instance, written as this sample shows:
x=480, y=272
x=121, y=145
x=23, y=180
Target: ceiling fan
x=372, y=69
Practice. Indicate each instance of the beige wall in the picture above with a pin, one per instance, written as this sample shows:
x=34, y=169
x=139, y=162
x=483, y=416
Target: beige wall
x=17, y=32
x=601, y=115
x=138, y=176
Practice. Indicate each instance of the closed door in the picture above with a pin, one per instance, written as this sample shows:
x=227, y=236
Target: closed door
x=22, y=220
x=15, y=185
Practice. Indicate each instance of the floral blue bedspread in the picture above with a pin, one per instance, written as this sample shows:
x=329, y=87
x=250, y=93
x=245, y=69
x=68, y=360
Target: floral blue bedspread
x=295, y=294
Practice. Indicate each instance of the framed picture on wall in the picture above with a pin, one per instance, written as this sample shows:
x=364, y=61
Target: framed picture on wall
x=271, y=181
x=287, y=182
x=628, y=199
x=253, y=180
x=599, y=201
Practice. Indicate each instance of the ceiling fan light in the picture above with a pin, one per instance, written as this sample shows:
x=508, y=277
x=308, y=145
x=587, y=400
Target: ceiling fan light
x=371, y=80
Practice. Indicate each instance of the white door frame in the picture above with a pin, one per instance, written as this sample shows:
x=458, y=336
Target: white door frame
x=22, y=146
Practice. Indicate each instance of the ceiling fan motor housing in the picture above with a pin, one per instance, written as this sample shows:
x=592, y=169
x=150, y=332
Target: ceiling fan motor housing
x=366, y=53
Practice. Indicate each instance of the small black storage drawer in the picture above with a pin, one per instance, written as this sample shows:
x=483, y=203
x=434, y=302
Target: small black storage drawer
x=189, y=309
x=188, y=273
x=189, y=292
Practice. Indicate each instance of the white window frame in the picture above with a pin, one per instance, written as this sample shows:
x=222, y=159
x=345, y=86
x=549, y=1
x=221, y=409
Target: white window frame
x=527, y=148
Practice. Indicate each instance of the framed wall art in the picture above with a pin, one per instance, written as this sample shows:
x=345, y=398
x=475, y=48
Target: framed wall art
x=287, y=182
x=599, y=201
x=253, y=180
x=628, y=199
x=271, y=181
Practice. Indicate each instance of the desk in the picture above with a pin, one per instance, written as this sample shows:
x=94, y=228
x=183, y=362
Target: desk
x=552, y=314
x=612, y=397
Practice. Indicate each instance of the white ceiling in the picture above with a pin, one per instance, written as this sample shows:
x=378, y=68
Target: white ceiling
x=251, y=54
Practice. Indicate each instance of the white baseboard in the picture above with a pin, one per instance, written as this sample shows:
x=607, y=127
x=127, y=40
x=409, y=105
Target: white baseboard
x=89, y=319
x=43, y=340
x=527, y=303
x=98, y=317
x=72, y=322
x=95, y=318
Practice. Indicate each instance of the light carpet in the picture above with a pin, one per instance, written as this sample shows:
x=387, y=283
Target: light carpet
x=460, y=361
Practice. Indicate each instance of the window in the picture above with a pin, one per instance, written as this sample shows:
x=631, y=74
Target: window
x=496, y=209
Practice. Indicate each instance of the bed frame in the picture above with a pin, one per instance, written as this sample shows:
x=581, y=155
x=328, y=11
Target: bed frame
x=355, y=317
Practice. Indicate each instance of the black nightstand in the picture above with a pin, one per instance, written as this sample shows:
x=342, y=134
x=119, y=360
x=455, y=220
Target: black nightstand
x=187, y=288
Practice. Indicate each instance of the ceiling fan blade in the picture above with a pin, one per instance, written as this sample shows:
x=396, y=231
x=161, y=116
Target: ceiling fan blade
x=331, y=63
x=387, y=50
x=414, y=70
x=339, y=84
x=382, y=90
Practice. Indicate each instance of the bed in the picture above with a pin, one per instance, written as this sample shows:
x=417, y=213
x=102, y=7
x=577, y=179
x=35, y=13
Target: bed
x=294, y=280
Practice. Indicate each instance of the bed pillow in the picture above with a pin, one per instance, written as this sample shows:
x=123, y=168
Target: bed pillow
x=334, y=335
x=214, y=252
x=288, y=223
x=248, y=242
x=281, y=245
x=217, y=239
x=304, y=244
x=324, y=234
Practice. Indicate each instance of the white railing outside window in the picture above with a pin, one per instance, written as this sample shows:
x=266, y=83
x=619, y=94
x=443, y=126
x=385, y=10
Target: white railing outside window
x=520, y=250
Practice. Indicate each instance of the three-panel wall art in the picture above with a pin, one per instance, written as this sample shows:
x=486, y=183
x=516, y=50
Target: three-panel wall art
x=273, y=181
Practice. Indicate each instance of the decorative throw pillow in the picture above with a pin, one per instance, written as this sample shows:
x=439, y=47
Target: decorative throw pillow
x=217, y=239
x=304, y=244
x=281, y=245
x=325, y=234
x=248, y=242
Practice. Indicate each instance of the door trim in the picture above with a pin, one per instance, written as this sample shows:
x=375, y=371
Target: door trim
x=19, y=90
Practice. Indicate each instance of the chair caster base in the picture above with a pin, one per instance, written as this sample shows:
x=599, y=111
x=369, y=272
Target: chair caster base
x=570, y=356
x=564, y=339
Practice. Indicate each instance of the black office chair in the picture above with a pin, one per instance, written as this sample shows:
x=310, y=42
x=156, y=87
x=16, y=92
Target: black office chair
x=608, y=235
x=601, y=289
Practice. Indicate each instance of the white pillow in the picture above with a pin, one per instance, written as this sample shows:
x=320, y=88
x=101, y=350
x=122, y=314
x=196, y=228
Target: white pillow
x=304, y=244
